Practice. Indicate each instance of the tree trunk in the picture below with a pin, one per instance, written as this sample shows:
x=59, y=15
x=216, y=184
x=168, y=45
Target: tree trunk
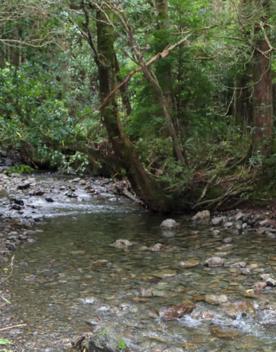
x=262, y=79
x=163, y=85
x=146, y=187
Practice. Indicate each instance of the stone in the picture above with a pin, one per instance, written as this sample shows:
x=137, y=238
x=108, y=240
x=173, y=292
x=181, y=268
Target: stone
x=259, y=286
x=237, y=309
x=250, y=293
x=228, y=240
x=239, y=216
x=162, y=274
x=216, y=299
x=270, y=281
x=214, y=262
x=18, y=201
x=227, y=334
x=189, y=263
x=202, y=216
x=177, y=311
x=217, y=221
x=238, y=265
x=24, y=185
x=122, y=244
x=169, y=224
x=156, y=247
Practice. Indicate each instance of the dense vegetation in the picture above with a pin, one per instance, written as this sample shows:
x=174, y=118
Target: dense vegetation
x=176, y=95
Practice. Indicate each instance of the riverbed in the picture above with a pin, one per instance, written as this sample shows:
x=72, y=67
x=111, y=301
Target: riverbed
x=75, y=281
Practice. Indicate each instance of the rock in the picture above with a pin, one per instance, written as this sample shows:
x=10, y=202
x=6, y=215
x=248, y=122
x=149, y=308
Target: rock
x=203, y=315
x=217, y=221
x=88, y=300
x=176, y=312
x=228, y=334
x=17, y=201
x=37, y=193
x=122, y=244
x=264, y=223
x=250, y=293
x=156, y=247
x=271, y=235
x=169, y=224
x=237, y=309
x=162, y=274
x=228, y=224
x=228, y=240
x=16, y=207
x=71, y=194
x=271, y=282
x=49, y=200
x=214, y=262
x=24, y=185
x=104, y=340
x=202, y=216
x=216, y=299
x=259, y=286
x=239, y=216
x=238, y=265
x=189, y=263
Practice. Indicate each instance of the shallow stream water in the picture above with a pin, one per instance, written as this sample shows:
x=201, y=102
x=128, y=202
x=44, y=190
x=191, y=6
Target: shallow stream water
x=71, y=281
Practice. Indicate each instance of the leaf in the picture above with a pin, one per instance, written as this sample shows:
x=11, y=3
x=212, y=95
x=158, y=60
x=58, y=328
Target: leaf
x=4, y=342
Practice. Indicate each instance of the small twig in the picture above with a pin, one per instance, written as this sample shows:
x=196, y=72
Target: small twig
x=12, y=327
x=5, y=300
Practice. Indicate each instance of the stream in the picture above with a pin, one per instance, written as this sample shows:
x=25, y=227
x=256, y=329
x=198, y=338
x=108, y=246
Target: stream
x=72, y=281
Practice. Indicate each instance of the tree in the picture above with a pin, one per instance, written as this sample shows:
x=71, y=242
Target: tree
x=143, y=183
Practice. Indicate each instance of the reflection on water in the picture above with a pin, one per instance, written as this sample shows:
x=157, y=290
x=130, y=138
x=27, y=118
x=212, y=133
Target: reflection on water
x=72, y=276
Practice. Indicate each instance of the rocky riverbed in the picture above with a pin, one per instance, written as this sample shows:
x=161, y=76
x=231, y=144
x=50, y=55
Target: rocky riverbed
x=205, y=283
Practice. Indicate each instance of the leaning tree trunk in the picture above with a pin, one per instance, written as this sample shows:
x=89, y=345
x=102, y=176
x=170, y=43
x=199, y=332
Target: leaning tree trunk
x=144, y=184
x=262, y=79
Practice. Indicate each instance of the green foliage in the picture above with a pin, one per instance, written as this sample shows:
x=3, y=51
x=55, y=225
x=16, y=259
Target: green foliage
x=19, y=169
x=49, y=92
x=122, y=346
x=4, y=342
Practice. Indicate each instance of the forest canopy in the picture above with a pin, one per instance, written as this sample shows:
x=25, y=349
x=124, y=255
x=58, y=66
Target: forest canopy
x=178, y=96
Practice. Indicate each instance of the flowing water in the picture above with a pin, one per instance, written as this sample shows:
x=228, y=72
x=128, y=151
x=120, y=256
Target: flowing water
x=72, y=281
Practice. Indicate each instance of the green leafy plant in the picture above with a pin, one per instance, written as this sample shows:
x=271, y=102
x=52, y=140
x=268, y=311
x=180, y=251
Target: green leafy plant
x=122, y=346
x=19, y=169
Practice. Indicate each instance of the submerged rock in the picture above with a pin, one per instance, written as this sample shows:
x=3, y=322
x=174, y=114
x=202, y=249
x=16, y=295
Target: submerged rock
x=176, y=312
x=240, y=308
x=156, y=247
x=216, y=299
x=122, y=244
x=169, y=224
x=214, y=262
x=189, y=263
x=228, y=334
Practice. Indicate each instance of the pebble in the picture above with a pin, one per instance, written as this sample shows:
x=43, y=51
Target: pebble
x=214, y=262
x=216, y=299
